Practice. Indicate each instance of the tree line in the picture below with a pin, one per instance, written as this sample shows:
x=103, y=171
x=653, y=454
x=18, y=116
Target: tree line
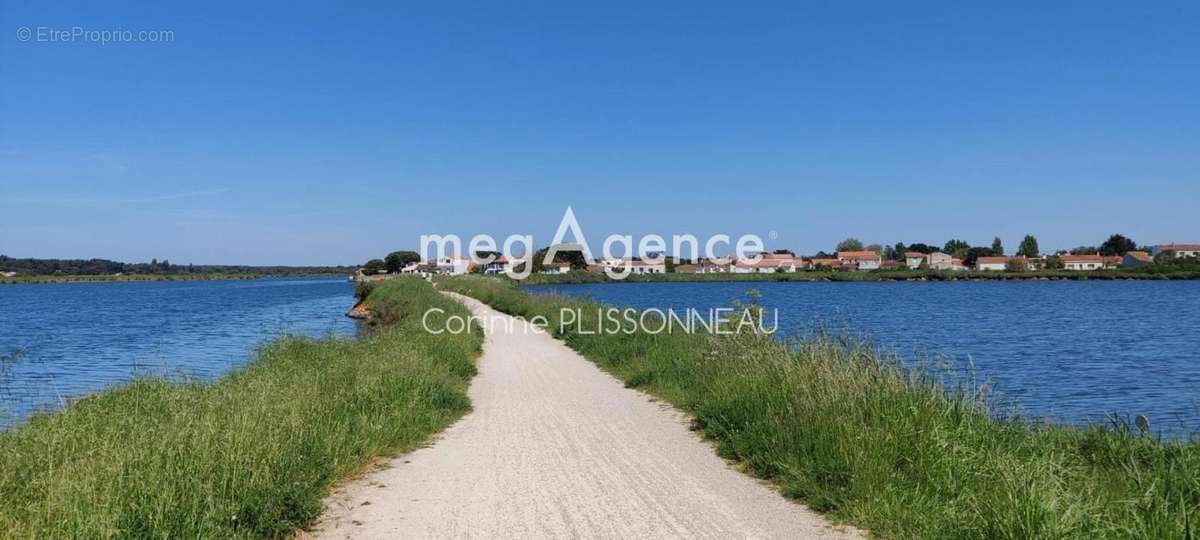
x=1115, y=245
x=99, y=267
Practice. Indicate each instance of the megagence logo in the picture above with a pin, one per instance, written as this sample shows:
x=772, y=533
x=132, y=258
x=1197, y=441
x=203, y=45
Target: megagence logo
x=748, y=248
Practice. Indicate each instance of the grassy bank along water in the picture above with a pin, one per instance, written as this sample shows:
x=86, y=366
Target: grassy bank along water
x=251, y=455
x=892, y=448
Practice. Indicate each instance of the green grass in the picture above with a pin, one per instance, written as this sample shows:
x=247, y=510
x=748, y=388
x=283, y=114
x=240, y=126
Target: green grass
x=251, y=455
x=888, y=447
x=1147, y=273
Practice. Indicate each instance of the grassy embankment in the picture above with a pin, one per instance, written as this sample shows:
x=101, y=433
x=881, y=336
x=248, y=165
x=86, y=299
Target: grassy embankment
x=579, y=276
x=887, y=447
x=251, y=455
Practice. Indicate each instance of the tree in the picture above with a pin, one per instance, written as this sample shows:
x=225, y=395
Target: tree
x=850, y=244
x=997, y=247
x=1054, y=262
x=921, y=248
x=973, y=254
x=878, y=249
x=1085, y=250
x=1117, y=245
x=889, y=253
x=898, y=251
x=784, y=252
x=1016, y=265
x=955, y=245
x=374, y=266
x=1029, y=247
x=575, y=257
x=399, y=259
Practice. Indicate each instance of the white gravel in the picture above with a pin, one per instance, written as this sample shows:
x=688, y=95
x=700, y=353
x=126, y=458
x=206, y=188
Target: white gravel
x=556, y=448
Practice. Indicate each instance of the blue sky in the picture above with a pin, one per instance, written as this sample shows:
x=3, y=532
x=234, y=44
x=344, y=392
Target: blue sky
x=328, y=133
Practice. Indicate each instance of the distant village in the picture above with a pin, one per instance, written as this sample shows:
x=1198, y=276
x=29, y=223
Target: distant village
x=1117, y=252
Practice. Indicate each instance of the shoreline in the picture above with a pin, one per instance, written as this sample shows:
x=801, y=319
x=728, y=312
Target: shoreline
x=251, y=454
x=582, y=277
x=145, y=278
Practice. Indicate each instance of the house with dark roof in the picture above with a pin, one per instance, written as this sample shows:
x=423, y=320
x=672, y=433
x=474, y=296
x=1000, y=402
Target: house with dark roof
x=1135, y=259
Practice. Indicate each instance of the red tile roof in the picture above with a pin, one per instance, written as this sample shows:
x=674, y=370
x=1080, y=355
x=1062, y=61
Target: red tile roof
x=1141, y=256
x=869, y=255
x=1082, y=258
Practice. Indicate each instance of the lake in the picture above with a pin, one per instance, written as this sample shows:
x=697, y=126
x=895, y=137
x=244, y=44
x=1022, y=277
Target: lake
x=1075, y=351
x=74, y=339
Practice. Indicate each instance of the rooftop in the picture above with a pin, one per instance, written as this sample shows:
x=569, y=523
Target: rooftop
x=858, y=255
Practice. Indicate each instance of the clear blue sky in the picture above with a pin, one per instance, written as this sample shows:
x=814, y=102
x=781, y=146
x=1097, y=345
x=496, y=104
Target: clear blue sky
x=301, y=133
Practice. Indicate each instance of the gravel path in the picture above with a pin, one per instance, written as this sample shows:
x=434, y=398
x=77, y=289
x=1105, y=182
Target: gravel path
x=556, y=448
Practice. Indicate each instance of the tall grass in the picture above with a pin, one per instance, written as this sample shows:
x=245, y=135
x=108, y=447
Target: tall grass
x=886, y=446
x=251, y=455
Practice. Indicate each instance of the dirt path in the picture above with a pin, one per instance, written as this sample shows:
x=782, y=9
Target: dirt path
x=557, y=448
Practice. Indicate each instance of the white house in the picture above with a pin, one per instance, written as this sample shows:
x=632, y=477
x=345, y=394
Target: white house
x=1083, y=262
x=556, y=268
x=1180, y=250
x=991, y=263
x=454, y=264
x=647, y=267
x=943, y=261
x=636, y=266
x=716, y=265
x=500, y=264
x=913, y=259
x=934, y=261
x=862, y=260
x=762, y=266
x=769, y=263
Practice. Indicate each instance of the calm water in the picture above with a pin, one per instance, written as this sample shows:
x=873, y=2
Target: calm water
x=79, y=338
x=1074, y=351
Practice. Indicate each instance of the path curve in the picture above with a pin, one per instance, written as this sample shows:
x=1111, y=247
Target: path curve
x=556, y=448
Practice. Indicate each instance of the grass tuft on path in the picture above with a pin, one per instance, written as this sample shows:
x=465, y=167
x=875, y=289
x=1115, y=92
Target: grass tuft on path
x=251, y=455
x=885, y=446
